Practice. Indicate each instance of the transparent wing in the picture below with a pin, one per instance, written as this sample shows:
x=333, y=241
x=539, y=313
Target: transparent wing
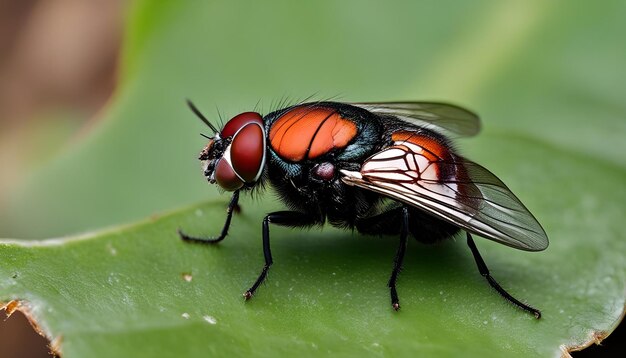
x=454, y=189
x=441, y=117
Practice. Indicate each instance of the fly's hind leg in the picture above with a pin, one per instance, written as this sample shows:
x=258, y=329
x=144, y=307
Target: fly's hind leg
x=482, y=268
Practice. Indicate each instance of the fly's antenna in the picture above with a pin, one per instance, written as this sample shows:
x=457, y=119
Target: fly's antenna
x=206, y=136
x=201, y=116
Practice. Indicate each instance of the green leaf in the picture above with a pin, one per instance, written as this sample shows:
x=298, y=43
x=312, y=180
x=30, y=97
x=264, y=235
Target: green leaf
x=546, y=77
x=123, y=291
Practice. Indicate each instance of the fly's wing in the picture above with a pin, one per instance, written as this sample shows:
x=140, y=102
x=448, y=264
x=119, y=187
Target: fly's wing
x=424, y=174
x=440, y=117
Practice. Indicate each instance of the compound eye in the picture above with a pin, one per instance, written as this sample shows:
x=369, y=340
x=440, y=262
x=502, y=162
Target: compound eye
x=239, y=121
x=247, y=152
x=226, y=177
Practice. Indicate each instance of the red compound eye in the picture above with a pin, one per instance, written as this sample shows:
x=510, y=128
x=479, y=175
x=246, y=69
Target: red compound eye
x=240, y=121
x=226, y=177
x=247, y=152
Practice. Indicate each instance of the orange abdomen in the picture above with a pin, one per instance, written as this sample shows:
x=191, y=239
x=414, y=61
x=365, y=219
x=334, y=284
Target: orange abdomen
x=310, y=132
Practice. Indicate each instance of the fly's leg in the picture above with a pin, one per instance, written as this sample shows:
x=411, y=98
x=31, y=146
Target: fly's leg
x=482, y=268
x=214, y=240
x=284, y=218
x=387, y=223
x=397, y=261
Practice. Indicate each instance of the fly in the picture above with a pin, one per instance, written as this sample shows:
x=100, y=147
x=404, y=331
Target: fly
x=380, y=168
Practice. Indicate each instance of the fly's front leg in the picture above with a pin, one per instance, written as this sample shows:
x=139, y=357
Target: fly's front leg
x=214, y=240
x=284, y=218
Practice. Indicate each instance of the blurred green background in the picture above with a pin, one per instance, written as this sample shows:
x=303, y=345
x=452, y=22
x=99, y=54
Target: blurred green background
x=547, y=78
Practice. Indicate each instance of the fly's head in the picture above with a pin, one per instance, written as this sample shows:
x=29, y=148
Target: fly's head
x=235, y=156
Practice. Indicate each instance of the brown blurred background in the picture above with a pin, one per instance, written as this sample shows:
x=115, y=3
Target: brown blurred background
x=58, y=62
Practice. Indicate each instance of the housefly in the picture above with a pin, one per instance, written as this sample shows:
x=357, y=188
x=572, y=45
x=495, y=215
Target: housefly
x=380, y=168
